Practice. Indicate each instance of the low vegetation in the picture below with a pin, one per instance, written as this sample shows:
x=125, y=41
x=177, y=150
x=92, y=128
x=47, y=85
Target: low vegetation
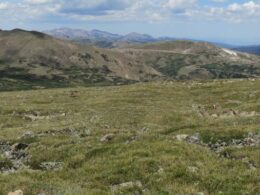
x=146, y=138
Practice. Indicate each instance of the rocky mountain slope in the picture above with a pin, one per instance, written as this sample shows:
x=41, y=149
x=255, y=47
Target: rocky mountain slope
x=33, y=59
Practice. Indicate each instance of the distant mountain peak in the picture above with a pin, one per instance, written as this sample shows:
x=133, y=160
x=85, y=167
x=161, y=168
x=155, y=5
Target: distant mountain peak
x=99, y=35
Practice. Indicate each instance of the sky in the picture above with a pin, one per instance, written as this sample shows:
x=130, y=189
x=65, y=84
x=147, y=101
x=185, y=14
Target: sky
x=234, y=22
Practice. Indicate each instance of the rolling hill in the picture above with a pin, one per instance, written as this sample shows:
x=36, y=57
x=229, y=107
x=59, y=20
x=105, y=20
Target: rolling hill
x=194, y=60
x=33, y=58
x=30, y=59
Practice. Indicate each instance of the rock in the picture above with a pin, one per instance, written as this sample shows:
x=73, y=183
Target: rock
x=51, y=166
x=19, y=146
x=214, y=115
x=252, y=167
x=107, y=137
x=87, y=132
x=250, y=134
x=144, y=129
x=130, y=184
x=193, y=169
x=17, y=192
x=14, y=155
x=160, y=170
x=200, y=193
x=181, y=137
x=194, y=138
x=4, y=146
x=28, y=134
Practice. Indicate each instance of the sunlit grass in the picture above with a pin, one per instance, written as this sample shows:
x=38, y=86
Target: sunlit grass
x=144, y=119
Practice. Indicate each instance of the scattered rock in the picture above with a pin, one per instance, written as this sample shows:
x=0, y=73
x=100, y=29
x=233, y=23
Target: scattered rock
x=132, y=139
x=17, y=192
x=55, y=166
x=107, y=137
x=222, y=113
x=28, y=134
x=36, y=115
x=252, y=140
x=65, y=131
x=15, y=154
x=193, y=138
x=130, y=184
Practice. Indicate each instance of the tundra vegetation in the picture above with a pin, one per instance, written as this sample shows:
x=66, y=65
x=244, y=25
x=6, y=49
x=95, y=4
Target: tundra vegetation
x=192, y=137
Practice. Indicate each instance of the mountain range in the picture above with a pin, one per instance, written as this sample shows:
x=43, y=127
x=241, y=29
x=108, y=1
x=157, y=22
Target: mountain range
x=30, y=59
x=109, y=40
x=99, y=38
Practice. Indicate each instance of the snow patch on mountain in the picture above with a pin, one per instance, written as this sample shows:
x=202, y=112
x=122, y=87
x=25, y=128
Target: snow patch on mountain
x=230, y=52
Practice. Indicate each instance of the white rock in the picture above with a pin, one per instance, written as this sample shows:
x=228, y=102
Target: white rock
x=130, y=184
x=181, y=137
x=107, y=137
x=17, y=192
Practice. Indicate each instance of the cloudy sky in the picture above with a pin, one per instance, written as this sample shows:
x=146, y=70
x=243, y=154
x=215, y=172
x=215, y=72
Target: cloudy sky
x=230, y=21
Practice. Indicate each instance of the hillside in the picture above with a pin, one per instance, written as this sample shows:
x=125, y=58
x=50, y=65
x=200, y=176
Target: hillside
x=32, y=58
x=154, y=138
x=194, y=60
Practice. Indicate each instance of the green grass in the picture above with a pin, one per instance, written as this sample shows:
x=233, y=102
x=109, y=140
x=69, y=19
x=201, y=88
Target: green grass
x=154, y=157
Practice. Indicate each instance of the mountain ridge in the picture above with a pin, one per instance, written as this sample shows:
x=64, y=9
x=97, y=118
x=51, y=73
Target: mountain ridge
x=31, y=58
x=111, y=40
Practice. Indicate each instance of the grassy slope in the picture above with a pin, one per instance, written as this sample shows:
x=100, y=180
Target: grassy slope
x=155, y=158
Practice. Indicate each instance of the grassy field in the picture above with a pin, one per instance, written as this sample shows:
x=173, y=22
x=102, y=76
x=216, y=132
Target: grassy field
x=141, y=154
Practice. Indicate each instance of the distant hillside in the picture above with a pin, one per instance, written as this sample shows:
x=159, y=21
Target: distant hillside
x=30, y=59
x=249, y=49
x=194, y=60
x=33, y=58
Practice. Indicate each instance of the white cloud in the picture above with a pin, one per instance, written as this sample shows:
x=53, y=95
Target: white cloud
x=180, y=4
x=219, y=1
x=130, y=10
x=36, y=2
x=3, y=6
